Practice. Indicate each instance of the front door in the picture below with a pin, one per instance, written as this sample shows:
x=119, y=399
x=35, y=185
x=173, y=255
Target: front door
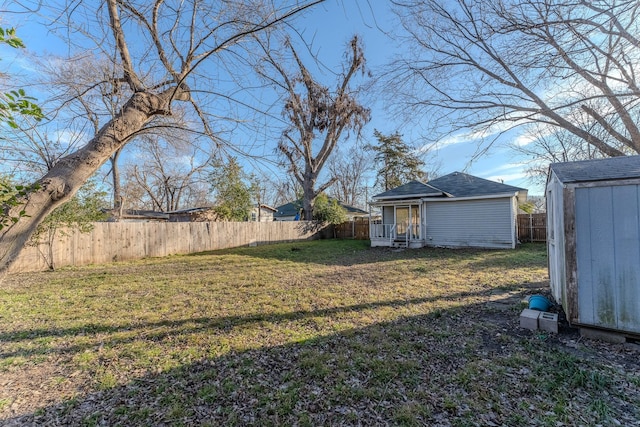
x=402, y=221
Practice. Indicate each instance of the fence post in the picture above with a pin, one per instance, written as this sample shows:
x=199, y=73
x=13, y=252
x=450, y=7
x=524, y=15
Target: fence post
x=530, y=228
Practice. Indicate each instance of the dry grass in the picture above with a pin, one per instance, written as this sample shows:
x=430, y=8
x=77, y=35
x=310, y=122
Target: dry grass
x=315, y=333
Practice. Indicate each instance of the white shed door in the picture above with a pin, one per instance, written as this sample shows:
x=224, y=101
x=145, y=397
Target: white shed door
x=486, y=223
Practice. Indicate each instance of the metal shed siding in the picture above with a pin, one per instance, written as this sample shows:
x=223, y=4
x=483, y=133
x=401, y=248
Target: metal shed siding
x=608, y=256
x=487, y=223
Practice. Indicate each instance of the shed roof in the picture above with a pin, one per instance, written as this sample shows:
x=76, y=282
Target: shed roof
x=267, y=207
x=598, y=169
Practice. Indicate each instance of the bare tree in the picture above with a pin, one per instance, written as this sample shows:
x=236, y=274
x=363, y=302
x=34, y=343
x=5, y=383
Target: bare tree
x=172, y=176
x=84, y=94
x=278, y=190
x=350, y=171
x=33, y=148
x=165, y=65
x=543, y=144
x=493, y=66
x=317, y=116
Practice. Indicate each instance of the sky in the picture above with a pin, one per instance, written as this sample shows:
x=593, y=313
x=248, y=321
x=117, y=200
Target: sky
x=328, y=27
x=374, y=22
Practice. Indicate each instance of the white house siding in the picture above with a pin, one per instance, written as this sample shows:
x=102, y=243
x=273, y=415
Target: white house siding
x=484, y=223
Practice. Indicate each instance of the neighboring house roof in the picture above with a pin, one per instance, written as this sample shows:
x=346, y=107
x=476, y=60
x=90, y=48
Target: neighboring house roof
x=352, y=210
x=598, y=169
x=191, y=210
x=413, y=189
x=292, y=208
x=456, y=184
x=460, y=184
x=136, y=214
x=288, y=209
x=198, y=214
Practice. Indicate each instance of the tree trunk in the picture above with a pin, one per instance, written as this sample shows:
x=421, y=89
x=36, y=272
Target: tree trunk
x=115, y=177
x=308, y=195
x=68, y=175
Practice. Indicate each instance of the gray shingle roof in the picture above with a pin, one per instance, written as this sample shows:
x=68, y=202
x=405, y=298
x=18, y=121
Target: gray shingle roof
x=460, y=184
x=598, y=170
x=410, y=190
x=288, y=209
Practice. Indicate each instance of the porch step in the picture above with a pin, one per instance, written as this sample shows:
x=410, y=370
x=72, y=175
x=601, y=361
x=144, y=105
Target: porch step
x=399, y=244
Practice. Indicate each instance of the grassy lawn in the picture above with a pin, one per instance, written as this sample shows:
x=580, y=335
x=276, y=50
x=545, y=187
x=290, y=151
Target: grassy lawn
x=313, y=333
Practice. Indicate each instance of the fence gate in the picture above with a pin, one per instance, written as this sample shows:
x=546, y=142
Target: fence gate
x=532, y=227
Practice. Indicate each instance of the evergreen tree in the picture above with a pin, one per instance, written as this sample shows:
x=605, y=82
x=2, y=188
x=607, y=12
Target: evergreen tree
x=328, y=210
x=234, y=196
x=397, y=163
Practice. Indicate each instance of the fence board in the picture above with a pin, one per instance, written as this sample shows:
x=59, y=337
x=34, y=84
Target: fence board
x=532, y=227
x=357, y=229
x=120, y=241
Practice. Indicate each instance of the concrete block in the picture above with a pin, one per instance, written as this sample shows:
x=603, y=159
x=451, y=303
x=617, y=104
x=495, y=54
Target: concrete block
x=548, y=322
x=529, y=319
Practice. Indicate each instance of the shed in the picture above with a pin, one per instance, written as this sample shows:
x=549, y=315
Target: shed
x=593, y=240
x=262, y=213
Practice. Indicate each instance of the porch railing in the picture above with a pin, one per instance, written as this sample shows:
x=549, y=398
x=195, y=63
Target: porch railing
x=408, y=232
x=382, y=231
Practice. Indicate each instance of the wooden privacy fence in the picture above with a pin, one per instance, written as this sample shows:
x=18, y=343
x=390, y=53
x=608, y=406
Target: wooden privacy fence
x=532, y=227
x=119, y=241
x=357, y=229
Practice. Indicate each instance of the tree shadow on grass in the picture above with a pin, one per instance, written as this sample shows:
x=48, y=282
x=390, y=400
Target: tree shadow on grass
x=463, y=366
x=165, y=329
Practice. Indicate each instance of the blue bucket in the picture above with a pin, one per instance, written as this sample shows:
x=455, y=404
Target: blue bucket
x=538, y=302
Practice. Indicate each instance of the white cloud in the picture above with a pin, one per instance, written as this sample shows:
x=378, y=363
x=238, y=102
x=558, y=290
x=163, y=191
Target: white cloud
x=475, y=136
x=525, y=139
x=506, y=178
x=517, y=166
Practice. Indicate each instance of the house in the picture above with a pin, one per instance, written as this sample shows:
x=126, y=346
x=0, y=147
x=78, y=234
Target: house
x=262, y=213
x=137, y=215
x=200, y=214
x=456, y=210
x=293, y=211
x=593, y=241
x=354, y=213
x=288, y=212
